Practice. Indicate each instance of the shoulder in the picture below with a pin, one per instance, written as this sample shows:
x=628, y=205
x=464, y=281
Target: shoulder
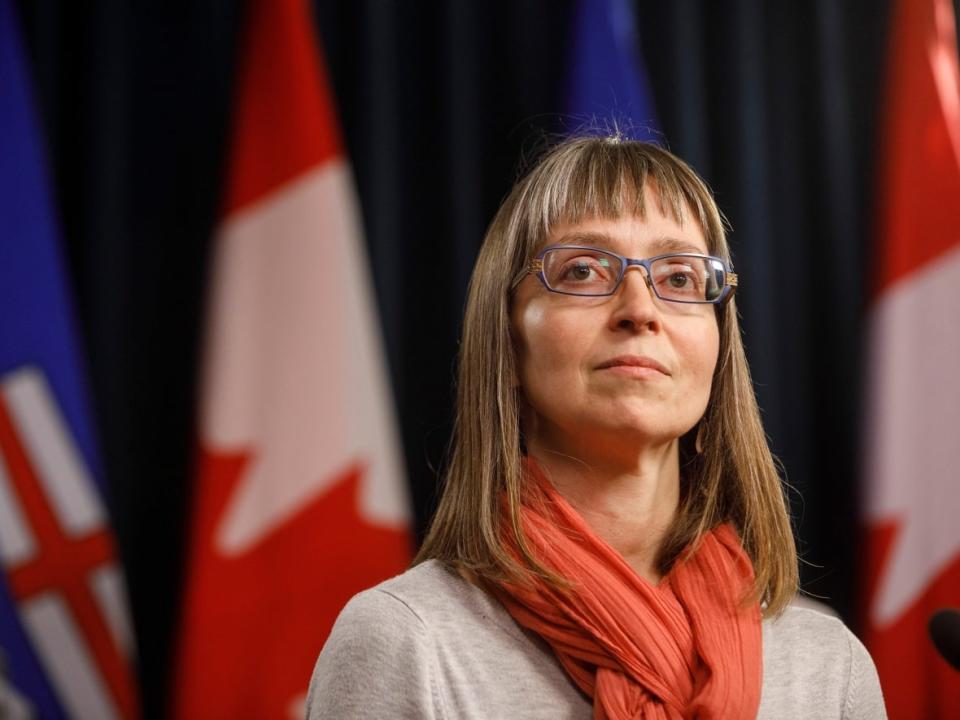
x=426, y=598
x=812, y=660
x=428, y=586
x=428, y=644
x=378, y=660
x=389, y=650
x=803, y=630
x=413, y=595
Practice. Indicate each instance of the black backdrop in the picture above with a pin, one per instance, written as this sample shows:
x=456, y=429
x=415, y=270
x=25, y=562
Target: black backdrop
x=776, y=104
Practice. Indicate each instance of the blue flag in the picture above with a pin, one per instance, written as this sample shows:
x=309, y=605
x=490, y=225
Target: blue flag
x=64, y=629
x=608, y=89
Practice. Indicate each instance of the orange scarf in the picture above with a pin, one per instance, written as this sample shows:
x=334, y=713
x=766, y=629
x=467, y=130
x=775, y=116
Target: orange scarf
x=684, y=649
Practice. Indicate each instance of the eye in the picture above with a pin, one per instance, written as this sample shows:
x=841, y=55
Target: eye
x=580, y=270
x=678, y=279
x=586, y=269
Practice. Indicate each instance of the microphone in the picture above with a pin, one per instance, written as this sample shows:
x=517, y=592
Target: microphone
x=944, y=628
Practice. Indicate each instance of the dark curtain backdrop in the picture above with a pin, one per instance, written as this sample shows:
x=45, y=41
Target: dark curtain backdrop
x=776, y=104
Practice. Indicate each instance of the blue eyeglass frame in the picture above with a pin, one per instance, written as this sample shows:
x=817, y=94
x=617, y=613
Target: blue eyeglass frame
x=729, y=285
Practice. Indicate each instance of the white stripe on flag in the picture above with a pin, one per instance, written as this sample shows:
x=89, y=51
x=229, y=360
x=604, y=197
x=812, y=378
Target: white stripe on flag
x=55, y=457
x=108, y=588
x=65, y=657
x=13, y=705
x=16, y=541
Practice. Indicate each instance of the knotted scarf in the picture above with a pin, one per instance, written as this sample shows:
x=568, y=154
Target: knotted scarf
x=687, y=648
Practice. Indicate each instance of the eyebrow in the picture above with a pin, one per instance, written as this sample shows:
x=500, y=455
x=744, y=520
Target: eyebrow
x=658, y=246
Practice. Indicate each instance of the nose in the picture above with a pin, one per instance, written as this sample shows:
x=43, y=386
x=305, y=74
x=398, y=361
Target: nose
x=635, y=306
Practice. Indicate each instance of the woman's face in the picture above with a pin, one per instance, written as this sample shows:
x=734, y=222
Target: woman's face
x=585, y=362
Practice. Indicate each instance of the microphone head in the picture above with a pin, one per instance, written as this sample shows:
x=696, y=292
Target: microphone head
x=944, y=628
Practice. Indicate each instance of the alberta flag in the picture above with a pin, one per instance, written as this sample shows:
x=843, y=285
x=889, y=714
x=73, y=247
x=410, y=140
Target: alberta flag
x=607, y=85
x=65, y=643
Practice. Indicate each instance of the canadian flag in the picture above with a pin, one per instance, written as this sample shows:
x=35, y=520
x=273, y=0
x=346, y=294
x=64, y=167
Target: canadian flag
x=913, y=401
x=300, y=496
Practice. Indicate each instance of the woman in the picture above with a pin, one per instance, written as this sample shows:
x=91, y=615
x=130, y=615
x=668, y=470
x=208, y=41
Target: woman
x=612, y=540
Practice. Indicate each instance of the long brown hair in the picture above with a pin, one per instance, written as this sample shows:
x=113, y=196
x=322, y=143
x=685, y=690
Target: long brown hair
x=733, y=479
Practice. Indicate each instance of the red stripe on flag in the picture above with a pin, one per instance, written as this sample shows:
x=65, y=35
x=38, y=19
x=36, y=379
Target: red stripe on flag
x=62, y=566
x=919, y=201
x=916, y=681
x=285, y=122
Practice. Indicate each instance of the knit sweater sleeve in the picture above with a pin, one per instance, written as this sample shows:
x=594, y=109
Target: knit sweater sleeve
x=864, y=699
x=378, y=662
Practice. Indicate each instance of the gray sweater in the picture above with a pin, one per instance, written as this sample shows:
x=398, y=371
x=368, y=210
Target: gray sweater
x=428, y=644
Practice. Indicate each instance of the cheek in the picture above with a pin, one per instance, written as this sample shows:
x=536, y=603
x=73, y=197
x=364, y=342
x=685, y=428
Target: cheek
x=547, y=350
x=702, y=353
x=536, y=337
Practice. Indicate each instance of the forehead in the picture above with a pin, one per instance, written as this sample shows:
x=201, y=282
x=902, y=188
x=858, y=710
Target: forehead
x=629, y=209
x=633, y=235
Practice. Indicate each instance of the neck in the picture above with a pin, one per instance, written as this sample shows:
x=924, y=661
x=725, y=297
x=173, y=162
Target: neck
x=630, y=504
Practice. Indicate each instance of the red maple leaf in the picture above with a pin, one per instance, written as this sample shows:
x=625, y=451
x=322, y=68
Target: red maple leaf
x=254, y=623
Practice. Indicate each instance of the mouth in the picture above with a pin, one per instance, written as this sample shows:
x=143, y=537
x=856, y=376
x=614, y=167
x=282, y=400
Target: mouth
x=634, y=364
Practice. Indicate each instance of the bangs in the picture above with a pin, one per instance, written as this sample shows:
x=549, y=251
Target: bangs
x=610, y=178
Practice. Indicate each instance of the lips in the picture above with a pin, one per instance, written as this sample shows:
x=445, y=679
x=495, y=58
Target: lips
x=638, y=361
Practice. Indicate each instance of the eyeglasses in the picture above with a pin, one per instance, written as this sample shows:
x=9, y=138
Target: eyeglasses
x=678, y=277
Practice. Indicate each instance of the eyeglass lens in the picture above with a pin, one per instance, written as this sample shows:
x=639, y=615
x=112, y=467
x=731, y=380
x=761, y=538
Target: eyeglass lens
x=679, y=278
